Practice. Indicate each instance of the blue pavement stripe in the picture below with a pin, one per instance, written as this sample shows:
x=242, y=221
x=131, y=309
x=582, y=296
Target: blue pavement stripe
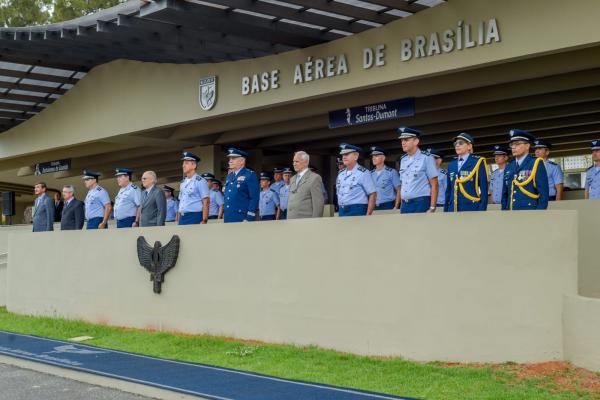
x=196, y=379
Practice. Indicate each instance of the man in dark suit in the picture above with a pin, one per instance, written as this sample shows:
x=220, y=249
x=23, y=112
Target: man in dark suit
x=153, y=209
x=43, y=213
x=73, y=210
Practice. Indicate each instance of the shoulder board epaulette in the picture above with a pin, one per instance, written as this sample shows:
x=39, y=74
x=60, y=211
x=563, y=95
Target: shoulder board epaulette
x=273, y=190
x=134, y=186
x=404, y=155
x=552, y=162
x=181, y=181
x=443, y=171
x=199, y=178
x=361, y=168
x=341, y=170
x=590, y=168
x=98, y=188
x=475, y=156
x=388, y=168
x=426, y=152
x=455, y=158
x=374, y=169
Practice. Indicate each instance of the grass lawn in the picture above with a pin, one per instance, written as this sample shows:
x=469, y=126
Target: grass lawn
x=445, y=381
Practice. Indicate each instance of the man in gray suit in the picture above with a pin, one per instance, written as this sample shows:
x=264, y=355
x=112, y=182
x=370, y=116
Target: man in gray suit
x=153, y=209
x=73, y=211
x=306, y=190
x=43, y=213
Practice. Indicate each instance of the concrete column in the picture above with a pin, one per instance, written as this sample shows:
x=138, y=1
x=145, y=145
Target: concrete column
x=256, y=160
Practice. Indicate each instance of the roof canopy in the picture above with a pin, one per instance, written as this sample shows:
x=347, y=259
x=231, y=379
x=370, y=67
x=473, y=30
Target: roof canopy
x=40, y=63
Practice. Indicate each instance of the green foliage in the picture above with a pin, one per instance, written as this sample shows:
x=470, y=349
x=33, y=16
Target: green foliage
x=429, y=381
x=17, y=13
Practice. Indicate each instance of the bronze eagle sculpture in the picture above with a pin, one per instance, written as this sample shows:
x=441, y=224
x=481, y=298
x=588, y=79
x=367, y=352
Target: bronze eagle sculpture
x=158, y=259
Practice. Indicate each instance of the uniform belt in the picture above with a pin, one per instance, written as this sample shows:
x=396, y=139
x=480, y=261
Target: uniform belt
x=352, y=205
x=415, y=199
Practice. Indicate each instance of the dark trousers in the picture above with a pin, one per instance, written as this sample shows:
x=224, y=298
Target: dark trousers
x=282, y=214
x=552, y=198
x=125, y=222
x=213, y=217
x=353, y=210
x=267, y=217
x=389, y=205
x=93, y=223
x=190, y=218
x=416, y=205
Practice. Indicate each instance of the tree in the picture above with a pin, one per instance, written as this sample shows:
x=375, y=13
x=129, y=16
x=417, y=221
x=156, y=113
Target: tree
x=24, y=12
x=39, y=12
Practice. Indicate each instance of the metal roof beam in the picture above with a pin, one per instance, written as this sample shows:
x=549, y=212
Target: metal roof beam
x=37, y=76
x=230, y=22
x=346, y=10
x=24, y=97
x=401, y=5
x=31, y=88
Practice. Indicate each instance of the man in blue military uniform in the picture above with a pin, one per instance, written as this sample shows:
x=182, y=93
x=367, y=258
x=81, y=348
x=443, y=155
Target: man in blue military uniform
x=97, y=202
x=193, y=193
x=497, y=177
x=438, y=156
x=128, y=199
x=172, y=204
x=592, y=175
x=215, y=206
x=241, y=189
x=387, y=181
x=356, y=190
x=418, y=175
x=525, y=178
x=284, y=193
x=277, y=179
x=268, y=204
x=467, y=188
x=556, y=177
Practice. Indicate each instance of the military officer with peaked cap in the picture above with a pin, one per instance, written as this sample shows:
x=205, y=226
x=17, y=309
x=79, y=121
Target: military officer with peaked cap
x=215, y=207
x=525, y=178
x=241, y=189
x=193, y=193
x=592, y=175
x=418, y=175
x=268, y=203
x=438, y=156
x=284, y=192
x=97, y=202
x=556, y=177
x=500, y=152
x=467, y=188
x=277, y=179
x=172, y=204
x=386, y=179
x=128, y=199
x=356, y=190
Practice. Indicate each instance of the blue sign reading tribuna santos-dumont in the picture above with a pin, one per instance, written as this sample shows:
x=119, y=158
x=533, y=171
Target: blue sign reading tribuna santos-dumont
x=372, y=113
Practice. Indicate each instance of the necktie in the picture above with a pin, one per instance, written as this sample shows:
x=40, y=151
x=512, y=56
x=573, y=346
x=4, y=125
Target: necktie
x=145, y=195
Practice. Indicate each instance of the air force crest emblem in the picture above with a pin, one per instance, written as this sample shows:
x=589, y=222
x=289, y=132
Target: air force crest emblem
x=208, y=92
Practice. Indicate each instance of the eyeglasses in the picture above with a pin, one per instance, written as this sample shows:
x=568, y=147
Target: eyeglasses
x=144, y=178
x=516, y=144
x=459, y=143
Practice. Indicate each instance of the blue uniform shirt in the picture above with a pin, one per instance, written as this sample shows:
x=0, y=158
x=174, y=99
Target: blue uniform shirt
x=415, y=173
x=592, y=182
x=442, y=179
x=521, y=172
x=276, y=186
x=386, y=182
x=216, y=201
x=496, y=182
x=354, y=186
x=477, y=189
x=95, y=200
x=172, y=207
x=284, y=194
x=269, y=201
x=555, y=176
x=241, y=195
x=127, y=202
x=191, y=192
